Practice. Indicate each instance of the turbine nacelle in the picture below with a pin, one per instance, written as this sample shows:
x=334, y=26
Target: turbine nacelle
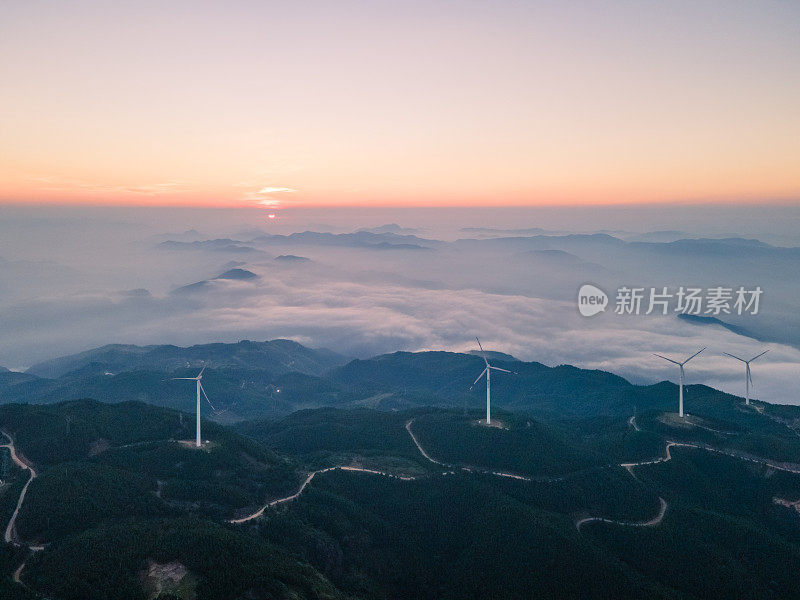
x=675, y=362
x=747, y=362
x=748, y=376
x=198, y=378
x=682, y=374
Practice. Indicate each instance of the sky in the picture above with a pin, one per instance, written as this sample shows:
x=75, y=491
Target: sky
x=468, y=103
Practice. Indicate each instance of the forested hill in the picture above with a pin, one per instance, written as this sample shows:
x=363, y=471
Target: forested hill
x=421, y=503
x=275, y=357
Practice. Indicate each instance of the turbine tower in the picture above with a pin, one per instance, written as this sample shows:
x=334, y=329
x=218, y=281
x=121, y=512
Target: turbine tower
x=198, y=440
x=488, y=372
x=680, y=385
x=748, y=378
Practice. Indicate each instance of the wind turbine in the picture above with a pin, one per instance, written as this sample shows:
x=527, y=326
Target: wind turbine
x=680, y=386
x=748, y=378
x=198, y=441
x=488, y=372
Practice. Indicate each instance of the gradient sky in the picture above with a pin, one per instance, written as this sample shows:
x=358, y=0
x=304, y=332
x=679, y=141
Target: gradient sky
x=418, y=103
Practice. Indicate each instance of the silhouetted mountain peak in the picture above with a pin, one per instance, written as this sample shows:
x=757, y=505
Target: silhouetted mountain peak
x=291, y=258
x=237, y=274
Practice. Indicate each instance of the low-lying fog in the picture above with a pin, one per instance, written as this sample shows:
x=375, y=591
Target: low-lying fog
x=76, y=278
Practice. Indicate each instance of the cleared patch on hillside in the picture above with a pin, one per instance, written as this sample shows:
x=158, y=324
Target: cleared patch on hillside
x=168, y=578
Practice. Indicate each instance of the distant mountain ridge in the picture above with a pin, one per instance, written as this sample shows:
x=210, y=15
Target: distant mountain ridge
x=703, y=320
x=292, y=258
x=444, y=379
x=719, y=246
x=234, y=274
x=237, y=274
x=363, y=239
x=390, y=228
x=390, y=237
x=216, y=245
x=269, y=379
x=280, y=355
x=494, y=355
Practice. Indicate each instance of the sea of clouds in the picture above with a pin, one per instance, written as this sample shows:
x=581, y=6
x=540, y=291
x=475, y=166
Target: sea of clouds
x=74, y=279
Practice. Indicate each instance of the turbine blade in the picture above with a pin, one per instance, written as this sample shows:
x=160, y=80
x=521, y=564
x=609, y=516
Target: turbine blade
x=693, y=355
x=479, y=377
x=758, y=355
x=736, y=357
x=186, y=378
x=499, y=369
x=674, y=362
x=201, y=372
x=202, y=389
x=483, y=354
x=750, y=376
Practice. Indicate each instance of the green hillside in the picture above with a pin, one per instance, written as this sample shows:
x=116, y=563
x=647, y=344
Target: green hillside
x=112, y=561
x=96, y=453
x=87, y=495
x=575, y=494
x=247, y=381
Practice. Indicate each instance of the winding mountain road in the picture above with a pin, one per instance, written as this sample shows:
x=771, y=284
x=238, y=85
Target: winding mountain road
x=477, y=469
x=650, y=523
x=11, y=534
x=656, y=520
x=305, y=483
x=451, y=469
x=17, y=576
x=647, y=523
x=420, y=448
x=422, y=451
x=773, y=464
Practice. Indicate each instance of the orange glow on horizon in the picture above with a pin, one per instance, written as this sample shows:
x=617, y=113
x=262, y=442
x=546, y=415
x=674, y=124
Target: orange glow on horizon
x=460, y=202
